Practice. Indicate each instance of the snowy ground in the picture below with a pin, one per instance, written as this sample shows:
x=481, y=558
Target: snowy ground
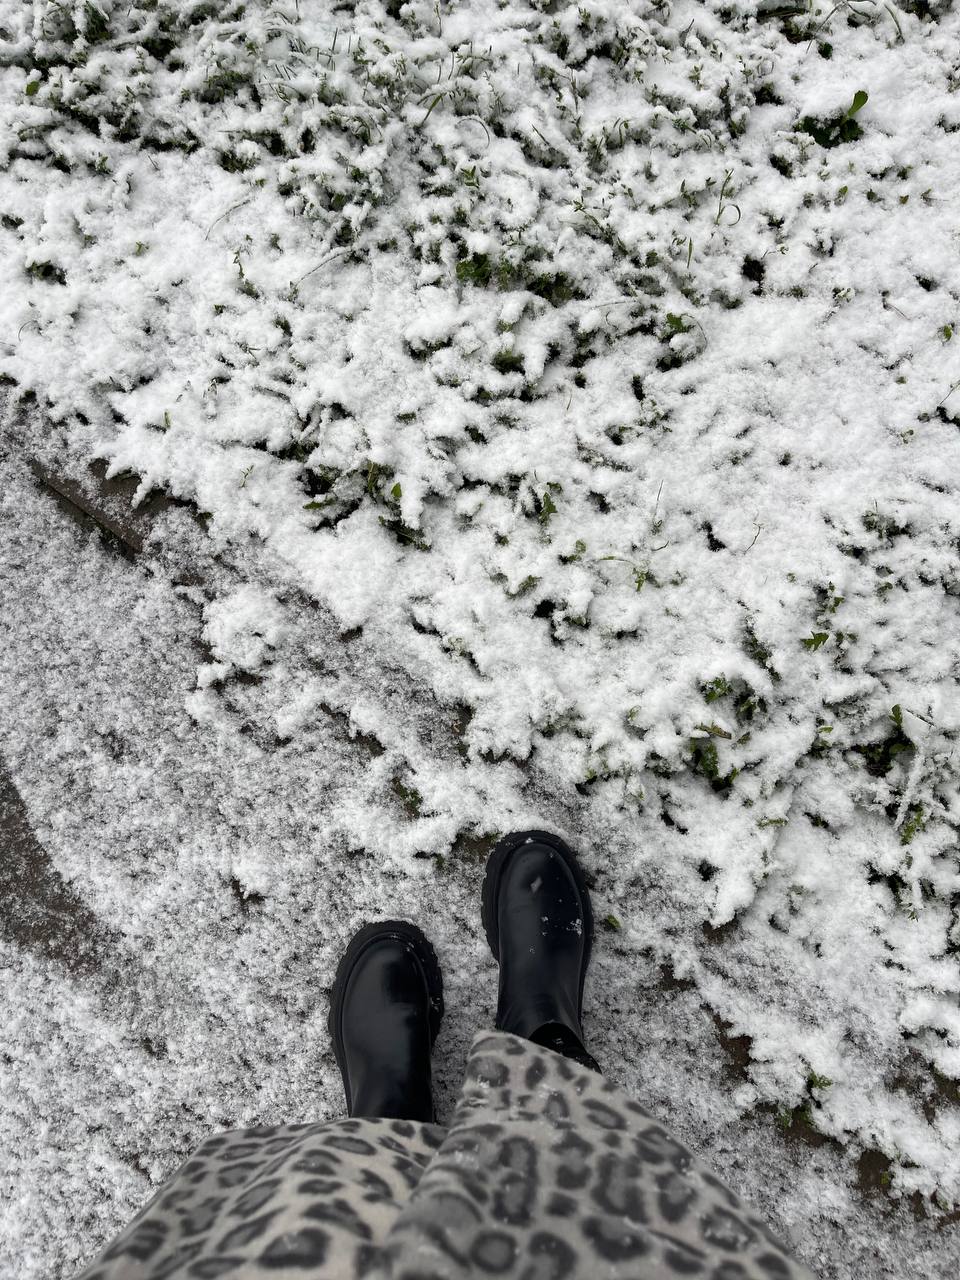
x=571, y=397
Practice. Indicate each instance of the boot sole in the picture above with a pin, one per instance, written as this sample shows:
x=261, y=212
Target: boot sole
x=416, y=940
x=491, y=890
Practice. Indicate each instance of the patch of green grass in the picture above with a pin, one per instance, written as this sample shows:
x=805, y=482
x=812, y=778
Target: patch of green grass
x=233, y=163
x=545, y=506
x=838, y=128
x=704, y=758
x=747, y=703
x=705, y=761
x=555, y=288
x=813, y=642
x=828, y=602
x=221, y=84
x=525, y=586
x=48, y=272
x=375, y=473
x=787, y=1117
x=404, y=533
x=96, y=24
x=475, y=270
x=674, y=324
x=716, y=688
x=914, y=823
x=879, y=756
x=759, y=652
x=883, y=526
x=714, y=730
x=479, y=270
x=640, y=572
x=579, y=548
x=507, y=361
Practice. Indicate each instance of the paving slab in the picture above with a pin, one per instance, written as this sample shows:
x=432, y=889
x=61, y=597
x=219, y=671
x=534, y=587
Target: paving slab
x=38, y=909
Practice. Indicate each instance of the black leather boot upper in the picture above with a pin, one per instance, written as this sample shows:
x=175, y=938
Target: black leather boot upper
x=539, y=921
x=384, y=1013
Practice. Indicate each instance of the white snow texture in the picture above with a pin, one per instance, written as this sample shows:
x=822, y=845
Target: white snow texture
x=570, y=394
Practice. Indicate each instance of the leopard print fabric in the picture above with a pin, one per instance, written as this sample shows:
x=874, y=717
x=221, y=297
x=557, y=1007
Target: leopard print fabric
x=547, y=1172
x=306, y=1200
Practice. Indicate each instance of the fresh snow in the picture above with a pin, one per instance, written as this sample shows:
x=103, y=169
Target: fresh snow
x=576, y=439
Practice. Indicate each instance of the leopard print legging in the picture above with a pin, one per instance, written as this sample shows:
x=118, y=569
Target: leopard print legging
x=547, y=1172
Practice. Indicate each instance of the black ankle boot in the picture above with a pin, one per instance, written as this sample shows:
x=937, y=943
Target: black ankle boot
x=537, y=916
x=385, y=1012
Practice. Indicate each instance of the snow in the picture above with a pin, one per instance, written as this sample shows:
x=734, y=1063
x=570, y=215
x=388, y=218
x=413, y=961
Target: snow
x=449, y=320
x=242, y=628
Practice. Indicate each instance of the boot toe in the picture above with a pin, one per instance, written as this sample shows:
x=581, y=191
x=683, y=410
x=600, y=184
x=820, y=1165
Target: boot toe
x=538, y=883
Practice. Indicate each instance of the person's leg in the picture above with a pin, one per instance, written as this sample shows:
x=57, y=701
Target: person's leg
x=311, y=1199
x=548, y=1171
x=251, y=1202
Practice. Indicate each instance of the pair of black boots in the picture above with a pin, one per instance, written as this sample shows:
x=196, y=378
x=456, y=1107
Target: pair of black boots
x=387, y=999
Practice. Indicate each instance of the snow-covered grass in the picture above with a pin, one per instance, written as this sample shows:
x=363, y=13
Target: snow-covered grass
x=598, y=361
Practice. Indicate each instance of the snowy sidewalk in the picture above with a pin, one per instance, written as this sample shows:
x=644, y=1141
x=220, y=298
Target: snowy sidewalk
x=554, y=428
